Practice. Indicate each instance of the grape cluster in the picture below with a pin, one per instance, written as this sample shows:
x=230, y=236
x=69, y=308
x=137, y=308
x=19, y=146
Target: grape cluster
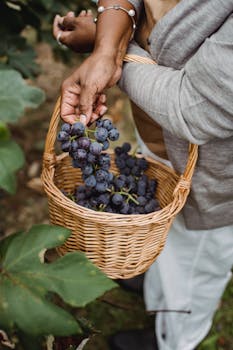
x=130, y=192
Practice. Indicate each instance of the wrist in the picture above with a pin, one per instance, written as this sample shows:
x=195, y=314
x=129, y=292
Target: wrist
x=114, y=48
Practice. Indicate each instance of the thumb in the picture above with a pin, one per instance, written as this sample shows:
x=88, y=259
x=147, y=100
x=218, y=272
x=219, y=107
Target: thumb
x=86, y=101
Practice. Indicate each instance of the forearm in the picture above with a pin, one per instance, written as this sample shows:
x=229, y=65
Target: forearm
x=114, y=29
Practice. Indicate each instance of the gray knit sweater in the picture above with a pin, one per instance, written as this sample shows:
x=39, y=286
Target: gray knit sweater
x=190, y=94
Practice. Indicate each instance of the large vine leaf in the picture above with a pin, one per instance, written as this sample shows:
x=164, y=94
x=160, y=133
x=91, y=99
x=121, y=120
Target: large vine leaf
x=17, y=54
x=25, y=282
x=16, y=95
x=11, y=159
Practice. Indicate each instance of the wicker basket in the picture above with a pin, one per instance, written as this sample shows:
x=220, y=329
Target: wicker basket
x=122, y=246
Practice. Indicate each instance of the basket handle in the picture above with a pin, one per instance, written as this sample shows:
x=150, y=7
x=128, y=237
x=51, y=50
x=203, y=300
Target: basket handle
x=49, y=157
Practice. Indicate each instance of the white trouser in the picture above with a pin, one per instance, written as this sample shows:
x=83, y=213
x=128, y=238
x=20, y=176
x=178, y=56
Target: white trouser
x=191, y=273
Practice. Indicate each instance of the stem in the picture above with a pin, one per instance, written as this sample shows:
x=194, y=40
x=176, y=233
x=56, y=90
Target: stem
x=129, y=196
x=135, y=151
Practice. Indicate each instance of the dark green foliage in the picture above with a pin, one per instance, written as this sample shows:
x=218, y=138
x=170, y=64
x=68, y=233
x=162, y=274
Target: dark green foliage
x=27, y=283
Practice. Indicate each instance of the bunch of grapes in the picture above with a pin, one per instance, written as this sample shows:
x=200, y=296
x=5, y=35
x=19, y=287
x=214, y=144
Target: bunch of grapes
x=130, y=192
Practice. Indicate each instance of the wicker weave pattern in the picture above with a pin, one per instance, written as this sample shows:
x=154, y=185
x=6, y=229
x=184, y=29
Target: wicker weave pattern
x=123, y=246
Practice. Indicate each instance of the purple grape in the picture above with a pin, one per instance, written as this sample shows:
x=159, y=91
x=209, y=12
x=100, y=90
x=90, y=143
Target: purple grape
x=152, y=184
x=87, y=170
x=81, y=154
x=120, y=163
x=113, y=134
x=126, y=147
x=80, y=196
x=101, y=175
x=107, y=124
x=142, y=163
x=77, y=129
x=80, y=189
x=84, y=142
x=104, y=159
x=63, y=136
x=101, y=187
x=110, y=177
x=142, y=200
x=99, y=123
x=96, y=148
x=136, y=171
x=151, y=206
x=101, y=134
x=65, y=146
x=74, y=146
x=117, y=199
x=105, y=145
x=130, y=162
x=109, y=209
x=118, y=150
x=90, y=181
x=91, y=158
x=66, y=127
x=106, y=167
x=104, y=199
x=125, y=208
x=120, y=182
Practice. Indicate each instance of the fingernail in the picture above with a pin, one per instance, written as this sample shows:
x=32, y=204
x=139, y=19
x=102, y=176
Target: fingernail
x=103, y=110
x=89, y=12
x=103, y=98
x=83, y=118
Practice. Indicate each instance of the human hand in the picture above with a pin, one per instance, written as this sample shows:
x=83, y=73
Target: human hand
x=82, y=92
x=77, y=33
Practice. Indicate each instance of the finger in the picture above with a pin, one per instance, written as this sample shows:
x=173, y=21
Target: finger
x=102, y=98
x=77, y=110
x=69, y=102
x=69, y=22
x=87, y=100
x=89, y=13
x=82, y=13
x=71, y=14
x=116, y=76
x=100, y=110
x=65, y=37
x=94, y=117
x=57, y=23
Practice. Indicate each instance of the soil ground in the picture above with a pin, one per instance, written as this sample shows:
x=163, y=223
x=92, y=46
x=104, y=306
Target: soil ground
x=117, y=309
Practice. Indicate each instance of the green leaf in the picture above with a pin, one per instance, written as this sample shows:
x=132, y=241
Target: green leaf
x=16, y=95
x=26, y=282
x=4, y=132
x=11, y=159
x=23, y=61
x=16, y=53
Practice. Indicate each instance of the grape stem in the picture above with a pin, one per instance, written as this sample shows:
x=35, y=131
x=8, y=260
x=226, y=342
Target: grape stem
x=129, y=196
x=135, y=151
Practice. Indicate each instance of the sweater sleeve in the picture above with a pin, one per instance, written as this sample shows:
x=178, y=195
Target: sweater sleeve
x=194, y=103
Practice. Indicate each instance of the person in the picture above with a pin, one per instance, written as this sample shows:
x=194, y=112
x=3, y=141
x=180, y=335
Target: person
x=189, y=94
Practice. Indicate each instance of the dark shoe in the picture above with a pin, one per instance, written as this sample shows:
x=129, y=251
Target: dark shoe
x=134, y=284
x=134, y=340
